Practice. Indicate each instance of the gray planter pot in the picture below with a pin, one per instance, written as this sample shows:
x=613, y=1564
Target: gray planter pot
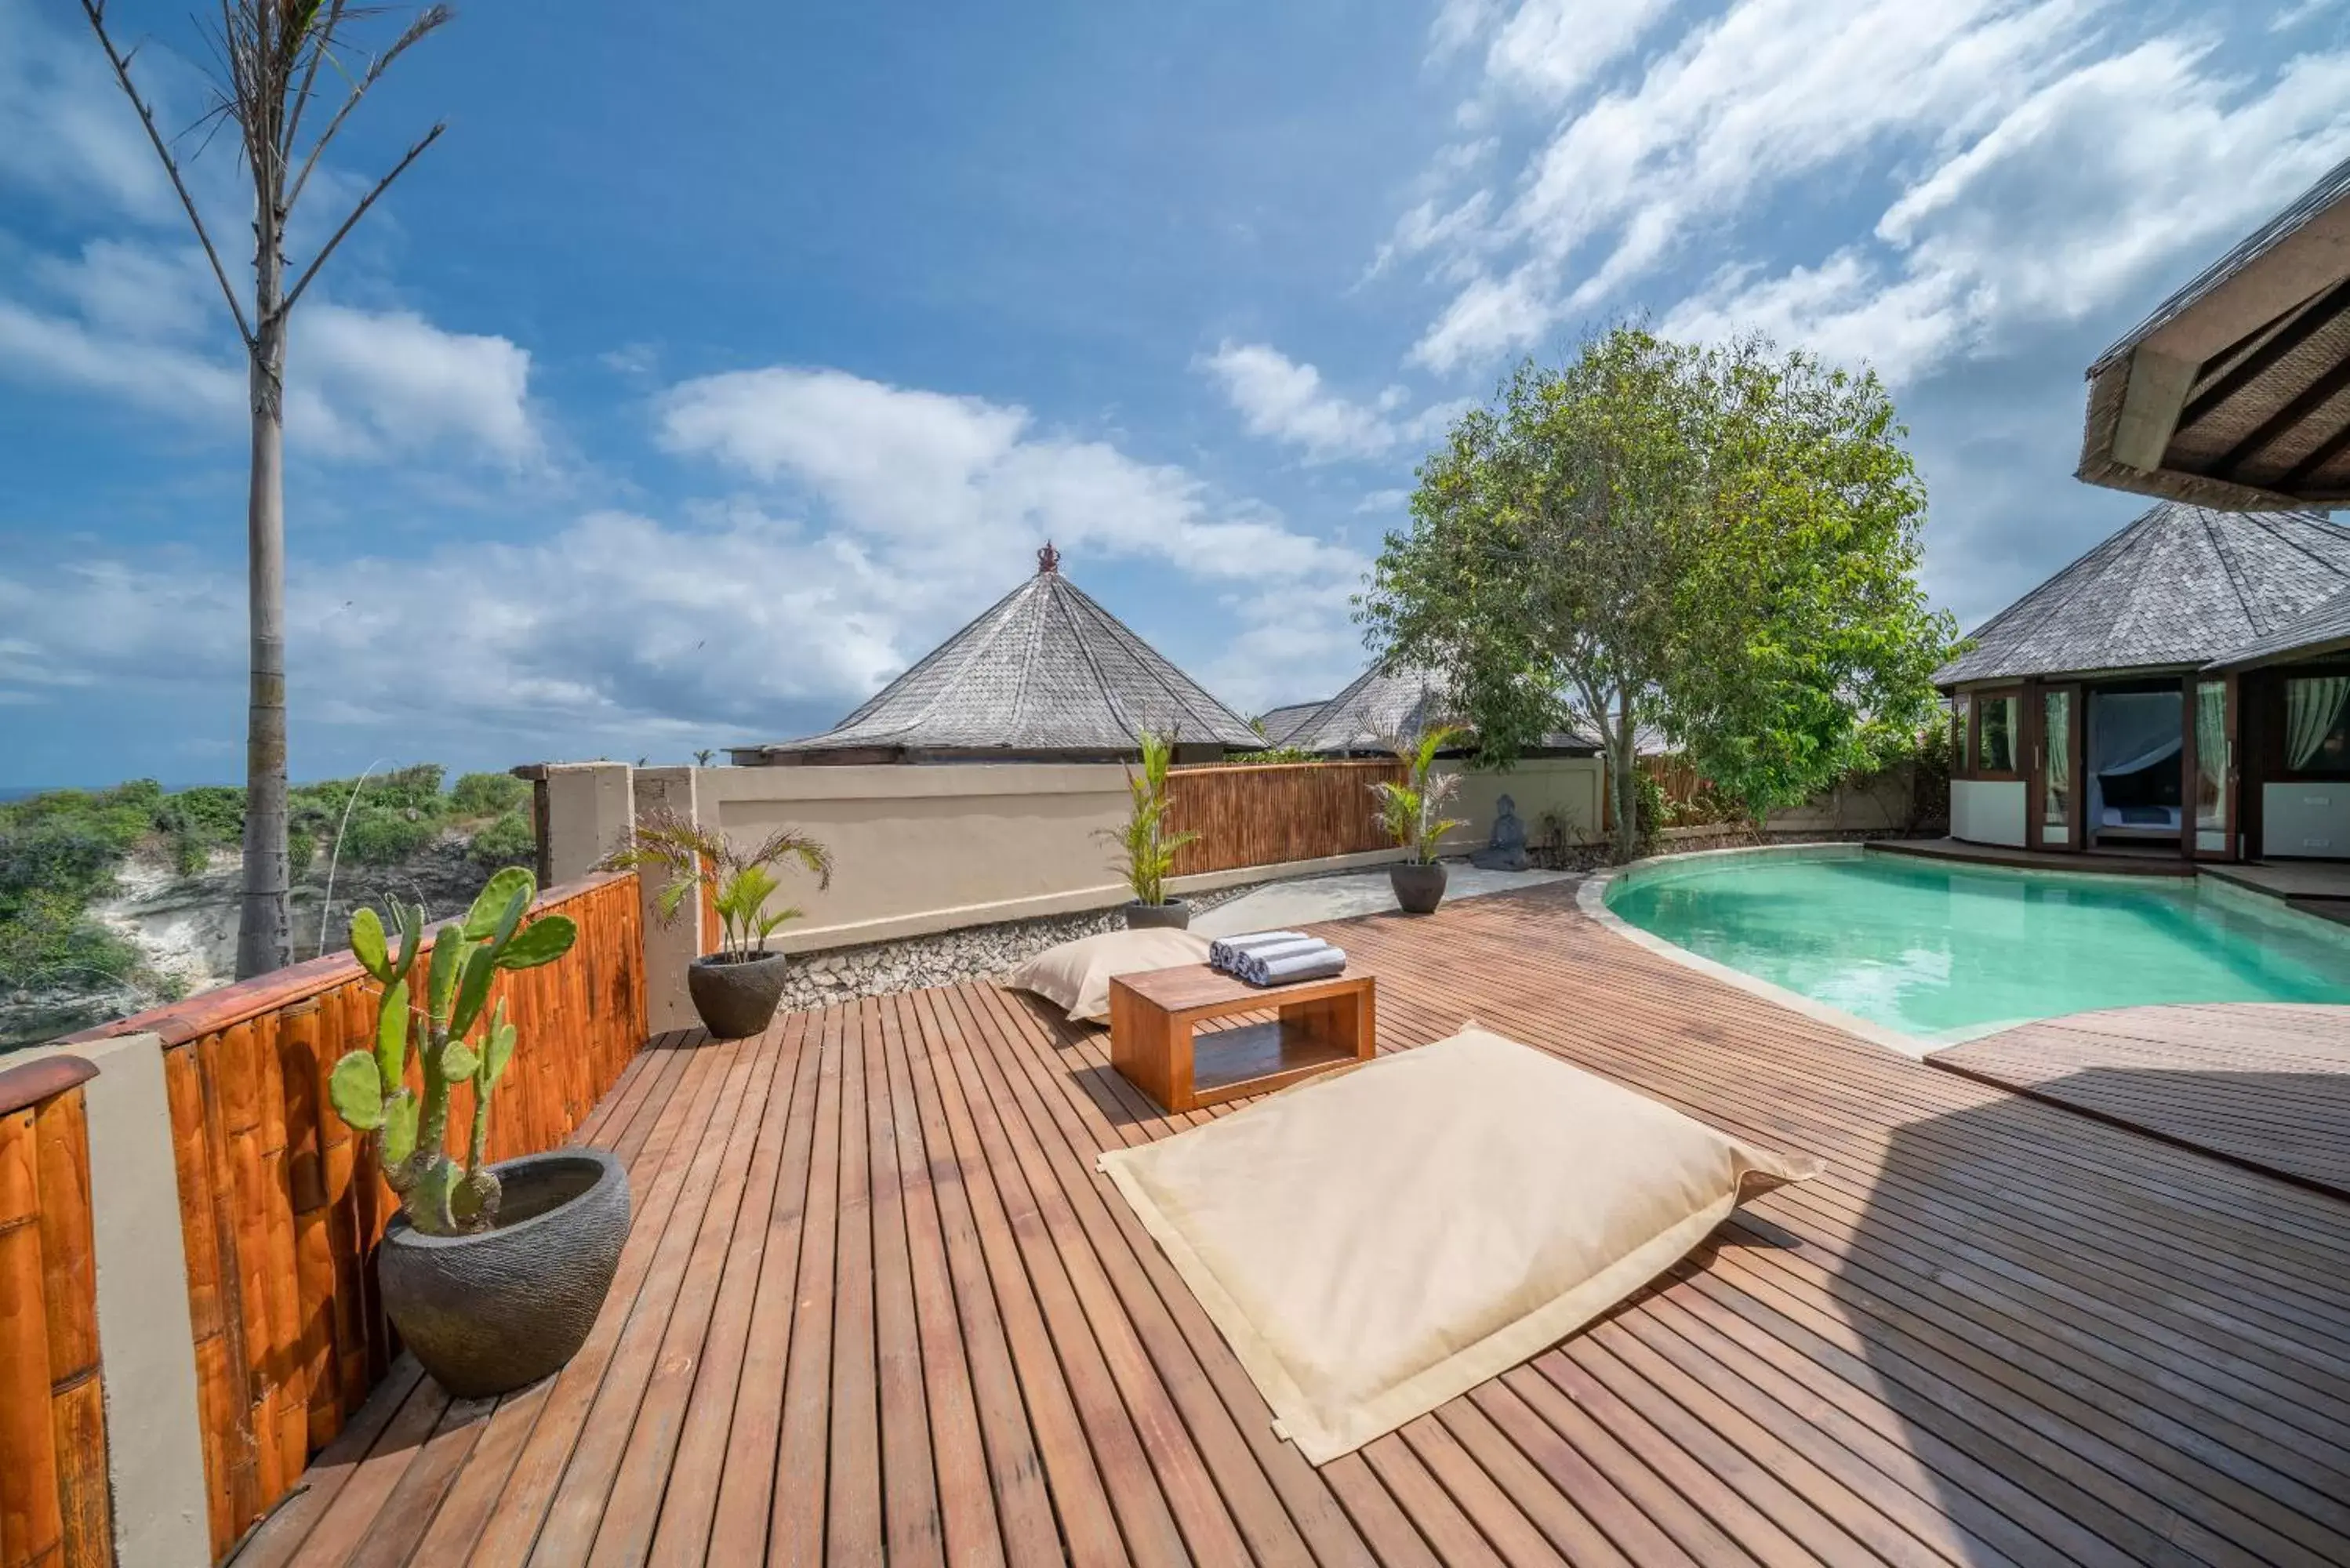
x=736, y=1000
x=489, y=1312
x=1140, y=916
x=1418, y=888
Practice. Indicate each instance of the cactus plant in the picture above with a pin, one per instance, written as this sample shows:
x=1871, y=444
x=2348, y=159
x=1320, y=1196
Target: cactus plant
x=434, y=1013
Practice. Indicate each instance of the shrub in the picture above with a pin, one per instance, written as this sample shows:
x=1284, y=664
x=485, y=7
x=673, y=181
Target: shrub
x=508, y=841
x=488, y=794
x=386, y=835
x=47, y=939
x=301, y=849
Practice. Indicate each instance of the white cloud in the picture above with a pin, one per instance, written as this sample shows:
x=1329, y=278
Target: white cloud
x=2073, y=199
x=65, y=131
x=972, y=483
x=1284, y=400
x=142, y=324
x=2040, y=164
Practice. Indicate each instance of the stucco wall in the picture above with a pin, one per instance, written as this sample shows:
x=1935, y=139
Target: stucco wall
x=1987, y=811
x=928, y=848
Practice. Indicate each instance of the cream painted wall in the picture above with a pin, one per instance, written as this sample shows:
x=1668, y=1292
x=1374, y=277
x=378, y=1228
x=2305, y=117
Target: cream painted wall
x=1987, y=811
x=2306, y=819
x=929, y=848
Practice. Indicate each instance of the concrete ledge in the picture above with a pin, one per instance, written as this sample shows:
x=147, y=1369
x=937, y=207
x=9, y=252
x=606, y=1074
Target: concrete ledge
x=146, y=1340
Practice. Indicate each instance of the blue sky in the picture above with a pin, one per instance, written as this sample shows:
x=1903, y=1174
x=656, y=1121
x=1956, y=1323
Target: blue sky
x=721, y=357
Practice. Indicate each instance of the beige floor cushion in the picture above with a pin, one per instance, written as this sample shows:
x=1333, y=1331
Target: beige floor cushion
x=1075, y=975
x=1375, y=1243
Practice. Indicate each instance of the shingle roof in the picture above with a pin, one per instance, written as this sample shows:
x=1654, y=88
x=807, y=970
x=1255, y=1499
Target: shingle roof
x=1381, y=704
x=2328, y=624
x=1376, y=706
x=1280, y=723
x=1046, y=671
x=2182, y=585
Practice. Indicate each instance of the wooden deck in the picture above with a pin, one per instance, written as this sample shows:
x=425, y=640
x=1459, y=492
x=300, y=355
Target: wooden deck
x=2266, y=1085
x=877, y=1304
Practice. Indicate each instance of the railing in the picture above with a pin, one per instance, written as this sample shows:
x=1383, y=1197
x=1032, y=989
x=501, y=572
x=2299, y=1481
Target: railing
x=280, y=1206
x=1266, y=813
x=54, y=1503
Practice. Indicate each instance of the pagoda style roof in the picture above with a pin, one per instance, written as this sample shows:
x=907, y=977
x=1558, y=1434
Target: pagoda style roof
x=2236, y=391
x=1045, y=673
x=1383, y=704
x=2323, y=630
x=1280, y=723
x=2178, y=589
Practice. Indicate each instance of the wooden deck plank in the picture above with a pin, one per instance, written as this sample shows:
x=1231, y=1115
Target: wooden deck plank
x=2263, y=1085
x=878, y=1301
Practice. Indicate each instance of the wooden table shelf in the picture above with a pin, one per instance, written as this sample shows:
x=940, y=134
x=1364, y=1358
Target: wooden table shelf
x=1319, y=1024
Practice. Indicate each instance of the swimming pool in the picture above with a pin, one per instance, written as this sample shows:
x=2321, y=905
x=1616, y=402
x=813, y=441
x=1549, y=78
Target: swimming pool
x=1943, y=952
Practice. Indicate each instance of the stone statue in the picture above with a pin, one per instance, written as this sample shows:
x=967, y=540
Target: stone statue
x=1505, y=850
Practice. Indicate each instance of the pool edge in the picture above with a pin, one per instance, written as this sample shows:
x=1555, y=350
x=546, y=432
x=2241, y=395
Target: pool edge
x=1591, y=898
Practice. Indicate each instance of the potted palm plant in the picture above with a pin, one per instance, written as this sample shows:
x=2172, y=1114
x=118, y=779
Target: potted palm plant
x=492, y=1274
x=1411, y=811
x=1145, y=850
x=736, y=989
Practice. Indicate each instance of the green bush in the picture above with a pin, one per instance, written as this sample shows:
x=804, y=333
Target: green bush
x=301, y=849
x=508, y=841
x=47, y=939
x=487, y=795
x=385, y=835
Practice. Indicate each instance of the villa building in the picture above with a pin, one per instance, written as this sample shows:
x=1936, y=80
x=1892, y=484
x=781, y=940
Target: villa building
x=2169, y=692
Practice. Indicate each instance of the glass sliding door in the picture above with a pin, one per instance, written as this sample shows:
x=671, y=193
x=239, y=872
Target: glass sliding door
x=2213, y=785
x=2058, y=824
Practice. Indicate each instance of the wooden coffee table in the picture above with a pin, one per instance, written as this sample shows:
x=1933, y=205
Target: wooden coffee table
x=1322, y=1025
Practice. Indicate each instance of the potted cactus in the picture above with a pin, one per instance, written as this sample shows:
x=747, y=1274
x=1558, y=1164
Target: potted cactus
x=1410, y=812
x=492, y=1274
x=1145, y=850
x=736, y=989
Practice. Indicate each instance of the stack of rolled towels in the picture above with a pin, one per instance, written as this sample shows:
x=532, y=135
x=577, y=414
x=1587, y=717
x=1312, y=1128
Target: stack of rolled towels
x=1276, y=958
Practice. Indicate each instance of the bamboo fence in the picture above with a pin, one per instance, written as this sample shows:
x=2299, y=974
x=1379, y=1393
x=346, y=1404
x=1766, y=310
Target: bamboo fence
x=280, y=1205
x=1266, y=813
x=54, y=1503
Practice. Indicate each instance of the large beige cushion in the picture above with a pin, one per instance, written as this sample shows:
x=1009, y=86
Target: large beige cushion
x=1375, y=1243
x=1077, y=975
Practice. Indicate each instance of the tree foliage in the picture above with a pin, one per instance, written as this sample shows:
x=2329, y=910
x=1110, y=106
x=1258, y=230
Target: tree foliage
x=1719, y=545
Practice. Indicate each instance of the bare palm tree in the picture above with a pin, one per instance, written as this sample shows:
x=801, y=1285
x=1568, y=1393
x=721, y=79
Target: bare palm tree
x=269, y=57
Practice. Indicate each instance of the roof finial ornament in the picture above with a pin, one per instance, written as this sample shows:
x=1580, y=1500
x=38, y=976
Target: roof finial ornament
x=1048, y=559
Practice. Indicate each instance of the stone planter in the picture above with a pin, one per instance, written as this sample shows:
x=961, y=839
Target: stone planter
x=1418, y=888
x=487, y=1313
x=736, y=997
x=1140, y=916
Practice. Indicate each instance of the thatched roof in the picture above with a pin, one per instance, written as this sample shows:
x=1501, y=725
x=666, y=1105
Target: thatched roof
x=2180, y=586
x=1045, y=673
x=2235, y=393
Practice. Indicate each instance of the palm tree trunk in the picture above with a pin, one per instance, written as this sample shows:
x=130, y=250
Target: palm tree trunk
x=264, y=935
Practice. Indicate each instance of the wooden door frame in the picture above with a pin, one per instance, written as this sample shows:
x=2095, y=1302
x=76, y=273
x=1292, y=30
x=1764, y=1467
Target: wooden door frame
x=2035, y=723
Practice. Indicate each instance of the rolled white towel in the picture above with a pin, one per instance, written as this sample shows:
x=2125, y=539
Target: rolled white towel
x=1225, y=951
x=1292, y=968
x=1254, y=959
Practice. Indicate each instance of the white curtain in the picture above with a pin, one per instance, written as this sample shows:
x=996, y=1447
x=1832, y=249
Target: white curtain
x=2311, y=707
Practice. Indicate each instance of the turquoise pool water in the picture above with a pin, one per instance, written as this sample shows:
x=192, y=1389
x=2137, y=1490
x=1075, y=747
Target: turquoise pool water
x=1947, y=952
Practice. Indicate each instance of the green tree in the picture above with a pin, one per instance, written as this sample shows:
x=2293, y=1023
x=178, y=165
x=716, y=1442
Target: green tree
x=1719, y=545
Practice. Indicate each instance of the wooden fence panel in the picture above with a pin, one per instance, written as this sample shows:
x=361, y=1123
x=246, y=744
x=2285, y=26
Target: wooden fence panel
x=54, y=1503
x=280, y=1206
x=1266, y=813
